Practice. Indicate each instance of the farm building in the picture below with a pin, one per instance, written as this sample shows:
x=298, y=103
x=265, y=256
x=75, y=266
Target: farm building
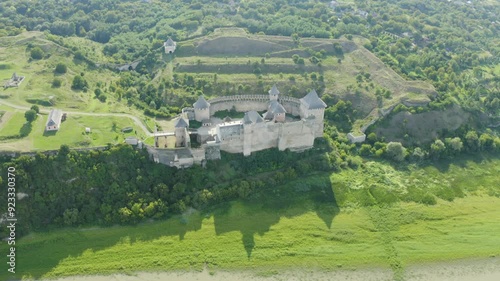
x=54, y=120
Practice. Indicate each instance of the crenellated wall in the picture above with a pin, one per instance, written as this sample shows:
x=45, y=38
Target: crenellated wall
x=241, y=103
x=291, y=105
x=244, y=103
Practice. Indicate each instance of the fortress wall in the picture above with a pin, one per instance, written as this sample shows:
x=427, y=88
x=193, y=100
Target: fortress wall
x=263, y=136
x=198, y=155
x=296, y=135
x=232, y=145
x=291, y=105
x=241, y=103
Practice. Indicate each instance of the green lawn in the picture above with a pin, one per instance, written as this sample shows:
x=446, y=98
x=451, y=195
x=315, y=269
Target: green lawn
x=13, y=125
x=72, y=132
x=293, y=229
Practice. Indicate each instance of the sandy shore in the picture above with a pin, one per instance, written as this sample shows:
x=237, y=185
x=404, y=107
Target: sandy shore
x=463, y=270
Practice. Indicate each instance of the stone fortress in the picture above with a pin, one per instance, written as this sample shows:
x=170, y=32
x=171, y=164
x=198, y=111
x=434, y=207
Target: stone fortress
x=269, y=121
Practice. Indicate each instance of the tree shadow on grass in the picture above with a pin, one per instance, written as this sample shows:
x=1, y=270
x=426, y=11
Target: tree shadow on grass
x=25, y=129
x=61, y=244
x=257, y=214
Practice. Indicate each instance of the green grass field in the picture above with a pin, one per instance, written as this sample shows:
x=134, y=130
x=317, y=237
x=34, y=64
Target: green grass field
x=104, y=130
x=289, y=228
x=12, y=125
x=72, y=132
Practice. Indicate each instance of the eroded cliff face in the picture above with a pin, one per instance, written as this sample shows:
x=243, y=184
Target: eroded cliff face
x=421, y=127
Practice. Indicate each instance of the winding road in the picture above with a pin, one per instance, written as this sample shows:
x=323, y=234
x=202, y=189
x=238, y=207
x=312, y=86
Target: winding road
x=137, y=121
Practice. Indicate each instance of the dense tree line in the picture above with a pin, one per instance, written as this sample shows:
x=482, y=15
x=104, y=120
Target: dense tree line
x=122, y=185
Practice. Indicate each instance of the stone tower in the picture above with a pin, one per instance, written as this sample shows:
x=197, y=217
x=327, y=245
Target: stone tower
x=274, y=93
x=312, y=105
x=201, y=109
x=181, y=133
x=250, y=120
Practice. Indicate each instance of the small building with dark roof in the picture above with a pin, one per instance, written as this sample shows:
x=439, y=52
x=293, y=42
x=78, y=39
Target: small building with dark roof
x=169, y=46
x=54, y=120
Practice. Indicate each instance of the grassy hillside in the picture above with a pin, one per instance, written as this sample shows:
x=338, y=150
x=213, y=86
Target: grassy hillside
x=255, y=60
x=37, y=88
x=296, y=227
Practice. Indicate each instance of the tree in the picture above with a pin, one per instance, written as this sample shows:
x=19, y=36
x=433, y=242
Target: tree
x=396, y=151
x=437, y=148
x=35, y=108
x=487, y=142
x=472, y=141
x=365, y=149
x=37, y=53
x=418, y=154
x=30, y=115
x=79, y=83
x=63, y=151
x=70, y=216
x=61, y=68
x=372, y=137
x=455, y=144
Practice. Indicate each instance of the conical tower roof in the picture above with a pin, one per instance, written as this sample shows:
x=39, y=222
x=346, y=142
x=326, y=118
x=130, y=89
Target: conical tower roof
x=181, y=123
x=201, y=103
x=312, y=101
x=274, y=91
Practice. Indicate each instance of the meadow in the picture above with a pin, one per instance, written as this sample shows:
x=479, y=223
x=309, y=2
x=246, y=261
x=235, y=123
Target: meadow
x=321, y=221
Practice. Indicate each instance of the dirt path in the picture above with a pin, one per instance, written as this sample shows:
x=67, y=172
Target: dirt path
x=486, y=269
x=134, y=118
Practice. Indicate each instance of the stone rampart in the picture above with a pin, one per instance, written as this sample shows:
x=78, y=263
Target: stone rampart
x=291, y=105
x=244, y=103
x=296, y=134
x=241, y=103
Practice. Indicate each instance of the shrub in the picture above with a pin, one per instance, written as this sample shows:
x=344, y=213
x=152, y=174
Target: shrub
x=79, y=83
x=429, y=199
x=56, y=83
x=61, y=68
x=37, y=53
